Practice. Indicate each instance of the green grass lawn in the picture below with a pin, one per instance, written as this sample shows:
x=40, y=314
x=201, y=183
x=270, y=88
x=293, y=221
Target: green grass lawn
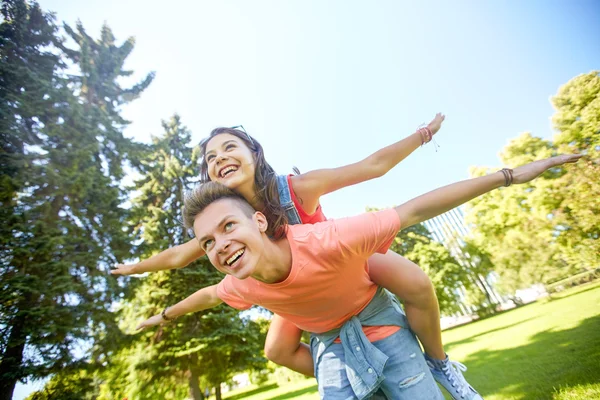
x=546, y=350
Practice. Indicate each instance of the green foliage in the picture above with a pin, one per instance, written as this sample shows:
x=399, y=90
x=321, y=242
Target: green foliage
x=62, y=155
x=446, y=274
x=577, y=117
x=416, y=244
x=577, y=120
x=69, y=384
x=550, y=227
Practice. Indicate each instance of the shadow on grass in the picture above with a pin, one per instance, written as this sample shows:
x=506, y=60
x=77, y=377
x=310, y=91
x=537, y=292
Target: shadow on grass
x=490, y=316
x=291, y=395
x=553, y=359
x=254, y=391
x=557, y=296
x=470, y=338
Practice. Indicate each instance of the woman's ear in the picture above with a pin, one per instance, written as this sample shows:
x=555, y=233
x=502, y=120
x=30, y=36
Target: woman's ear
x=261, y=221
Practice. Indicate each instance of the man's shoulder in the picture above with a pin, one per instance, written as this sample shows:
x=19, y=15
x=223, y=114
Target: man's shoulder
x=306, y=231
x=388, y=215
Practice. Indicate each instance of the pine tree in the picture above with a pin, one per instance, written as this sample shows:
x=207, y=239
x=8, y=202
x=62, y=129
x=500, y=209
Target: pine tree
x=63, y=149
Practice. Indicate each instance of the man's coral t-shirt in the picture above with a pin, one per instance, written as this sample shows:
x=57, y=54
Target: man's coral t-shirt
x=329, y=280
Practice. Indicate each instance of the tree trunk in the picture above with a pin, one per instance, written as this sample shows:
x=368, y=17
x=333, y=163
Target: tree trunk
x=12, y=358
x=218, y=392
x=195, y=391
x=485, y=290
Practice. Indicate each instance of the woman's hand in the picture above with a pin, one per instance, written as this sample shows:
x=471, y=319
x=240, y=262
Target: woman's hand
x=436, y=123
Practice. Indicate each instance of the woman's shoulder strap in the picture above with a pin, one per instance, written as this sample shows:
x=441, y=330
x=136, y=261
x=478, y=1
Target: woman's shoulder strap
x=284, y=190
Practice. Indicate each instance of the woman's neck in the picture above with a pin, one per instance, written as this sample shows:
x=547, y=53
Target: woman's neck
x=248, y=192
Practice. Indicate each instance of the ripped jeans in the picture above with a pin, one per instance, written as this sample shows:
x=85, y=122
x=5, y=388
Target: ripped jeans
x=407, y=376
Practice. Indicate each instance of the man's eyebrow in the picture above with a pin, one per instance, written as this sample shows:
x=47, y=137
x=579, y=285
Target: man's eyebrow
x=223, y=144
x=221, y=223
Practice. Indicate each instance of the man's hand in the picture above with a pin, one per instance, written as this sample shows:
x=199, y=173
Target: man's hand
x=123, y=269
x=528, y=172
x=150, y=322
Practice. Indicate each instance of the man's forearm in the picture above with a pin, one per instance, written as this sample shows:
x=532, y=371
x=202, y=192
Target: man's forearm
x=446, y=198
x=201, y=300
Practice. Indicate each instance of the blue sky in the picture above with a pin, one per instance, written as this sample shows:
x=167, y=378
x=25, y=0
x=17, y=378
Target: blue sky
x=322, y=84
x=326, y=83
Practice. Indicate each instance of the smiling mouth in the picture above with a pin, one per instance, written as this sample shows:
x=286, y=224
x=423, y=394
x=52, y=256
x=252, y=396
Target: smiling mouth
x=227, y=171
x=234, y=257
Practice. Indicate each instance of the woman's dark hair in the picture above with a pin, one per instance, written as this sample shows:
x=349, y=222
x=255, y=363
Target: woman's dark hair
x=265, y=180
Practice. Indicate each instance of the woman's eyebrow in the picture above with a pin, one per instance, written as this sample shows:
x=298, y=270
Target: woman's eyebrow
x=222, y=144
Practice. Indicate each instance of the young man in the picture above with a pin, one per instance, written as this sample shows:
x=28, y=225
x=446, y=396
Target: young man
x=316, y=277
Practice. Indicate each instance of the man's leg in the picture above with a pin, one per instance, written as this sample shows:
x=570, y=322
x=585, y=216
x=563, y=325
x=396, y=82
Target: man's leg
x=331, y=375
x=407, y=376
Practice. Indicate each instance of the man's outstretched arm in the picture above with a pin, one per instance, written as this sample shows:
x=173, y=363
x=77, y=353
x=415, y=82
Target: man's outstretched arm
x=448, y=197
x=201, y=300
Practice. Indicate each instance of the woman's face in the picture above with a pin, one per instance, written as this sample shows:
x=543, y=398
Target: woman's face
x=229, y=161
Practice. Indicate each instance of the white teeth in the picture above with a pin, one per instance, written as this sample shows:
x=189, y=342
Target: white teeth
x=234, y=257
x=226, y=170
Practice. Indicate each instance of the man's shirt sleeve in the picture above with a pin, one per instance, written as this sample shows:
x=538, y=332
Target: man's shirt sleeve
x=227, y=291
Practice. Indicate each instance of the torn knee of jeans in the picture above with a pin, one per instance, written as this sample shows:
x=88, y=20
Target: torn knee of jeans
x=412, y=380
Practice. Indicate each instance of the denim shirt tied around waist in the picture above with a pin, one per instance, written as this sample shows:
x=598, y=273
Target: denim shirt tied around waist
x=364, y=362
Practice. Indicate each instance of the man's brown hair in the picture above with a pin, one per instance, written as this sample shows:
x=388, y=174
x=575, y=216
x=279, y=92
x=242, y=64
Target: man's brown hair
x=207, y=193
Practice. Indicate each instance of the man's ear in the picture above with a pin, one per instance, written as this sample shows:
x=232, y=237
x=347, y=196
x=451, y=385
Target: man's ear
x=261, y=221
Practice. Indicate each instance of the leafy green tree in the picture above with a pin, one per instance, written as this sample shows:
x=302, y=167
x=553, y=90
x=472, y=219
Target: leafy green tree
x=69, y=384
x=512, y=224
x=549, y=228
x=446, y=274
x=63, y=153
x=208, y=346
x=577, y=117
x=416, y=244
x=525, y=228
x=577, y=120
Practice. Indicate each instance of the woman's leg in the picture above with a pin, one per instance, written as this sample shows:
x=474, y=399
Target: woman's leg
x=407, y=281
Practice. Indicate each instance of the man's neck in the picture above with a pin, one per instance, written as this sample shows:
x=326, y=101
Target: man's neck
x=276, y=263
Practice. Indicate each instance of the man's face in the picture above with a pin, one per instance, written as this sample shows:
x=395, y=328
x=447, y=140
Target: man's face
x=232, y=240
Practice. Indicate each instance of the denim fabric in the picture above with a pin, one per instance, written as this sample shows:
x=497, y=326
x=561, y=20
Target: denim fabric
x=406, y=374
x=364, y=363
x=357, y=368
x=285, y=199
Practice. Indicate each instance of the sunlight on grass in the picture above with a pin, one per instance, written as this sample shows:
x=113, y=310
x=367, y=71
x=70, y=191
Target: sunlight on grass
x=579, y=392
x=303, y=390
